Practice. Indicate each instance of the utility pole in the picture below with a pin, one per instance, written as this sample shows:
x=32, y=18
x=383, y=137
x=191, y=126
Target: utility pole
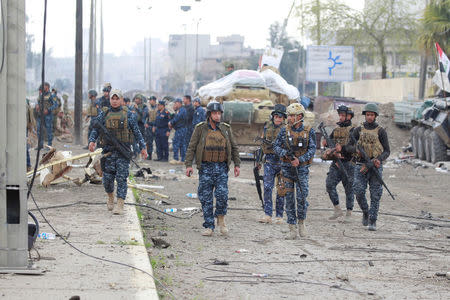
x=100, y=65
x=185, y=58
x=91, y=72
x=13, y=184
x=145, y=62
x=95, y=46
x=150, y=64
x=78, y=72
x=196, y=52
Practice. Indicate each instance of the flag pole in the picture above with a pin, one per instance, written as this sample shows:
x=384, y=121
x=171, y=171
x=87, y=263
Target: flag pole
x=439, y=68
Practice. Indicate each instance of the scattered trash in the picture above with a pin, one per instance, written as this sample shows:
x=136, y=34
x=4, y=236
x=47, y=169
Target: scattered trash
x=342, y=277
x=439, y=274
x=220, y=262
x=191, y=195
x=301, y=273
x=158, y=202
x=171, y=256
x=172, y=171
x=371, y=263
x=261, y=275
x=142, y=172
x=425, y=214
x=303, y=256
x=160, y=243
x=189, y=209
x=47, y=236
x=170, y=210
x=441, y=170
x=241, y=251
x=232, y=198
x=392, y=176
x=161, y=233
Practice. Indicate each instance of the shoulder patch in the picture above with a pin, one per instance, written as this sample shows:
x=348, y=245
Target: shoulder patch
x=226, y=124
x=105, y=109
x=200, y=124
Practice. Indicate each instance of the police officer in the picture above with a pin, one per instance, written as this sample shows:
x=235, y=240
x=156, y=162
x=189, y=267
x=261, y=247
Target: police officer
x=127, y=103
x=49, y=105
x=199, y=113
x=374, y=140
x=296, y=145
x=141, y=111
x=122, y=124
x=213, y=146
x=179, y=124
x=92, y=112
x=187, y=102
x=162, y=132
x=152, y=109
x=103, y=101
x=340, y=136
x=272, y=165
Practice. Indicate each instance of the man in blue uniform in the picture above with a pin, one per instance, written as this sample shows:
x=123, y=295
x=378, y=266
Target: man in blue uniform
x=141, y=111
x=49, y=105
x=162, y=132
x=199, y=113
x=121, y=124
x=179, y=124
x=103, y=101
x=296, y=145
x=187, y=102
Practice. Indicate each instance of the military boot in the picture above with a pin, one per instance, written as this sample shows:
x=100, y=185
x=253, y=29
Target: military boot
x=118, y=209
x=266, y=219
x=348, y=216
x=301, y=228
x=365, y=218
x=373, y=225
x=207, y=232
x=337, y=213
x=292, y=235
x=222, y=226
x=110, y=203
x=278, y=220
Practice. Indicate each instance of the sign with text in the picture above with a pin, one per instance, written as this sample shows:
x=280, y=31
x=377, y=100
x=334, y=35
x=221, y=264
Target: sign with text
x=329, y=63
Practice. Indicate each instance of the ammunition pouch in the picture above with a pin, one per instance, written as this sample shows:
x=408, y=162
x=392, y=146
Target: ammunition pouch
x=281, y=181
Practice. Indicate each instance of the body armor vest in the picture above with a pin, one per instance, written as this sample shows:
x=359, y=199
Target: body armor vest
x=270, y=134
x=47, y=102
x=139, y=113
x=117, y=124
x=215, y=147
x=369, y=141
x=152, y=113
x=298, y=142
x=92, y=110
x=341, y=135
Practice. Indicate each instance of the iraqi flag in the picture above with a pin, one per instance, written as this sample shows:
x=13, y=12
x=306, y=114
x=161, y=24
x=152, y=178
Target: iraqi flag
x=444, y=62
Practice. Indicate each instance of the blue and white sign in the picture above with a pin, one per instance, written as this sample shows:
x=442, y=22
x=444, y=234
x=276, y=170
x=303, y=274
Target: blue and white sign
x=329, y=63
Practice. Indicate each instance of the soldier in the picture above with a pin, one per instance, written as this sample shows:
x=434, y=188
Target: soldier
x=179, y=124
x=213, y=146
x=373, y=139
x=122, y=124
x=58, y=108
x=272, y=166
x=162, y=132
x=65, y=104
x=187, y=102
x=103, y=101
x=296, y=145
x=92, y=112
x=199, y=113
x=341, y=137
x=152, y=109
x=127, y=103
x=141, y=111
x=229, y=69
x=49, y=105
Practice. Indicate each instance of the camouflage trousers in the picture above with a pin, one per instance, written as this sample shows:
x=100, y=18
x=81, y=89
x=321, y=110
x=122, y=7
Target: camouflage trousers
x=213, y=182
x=375, y=188
x=271, y=170
x=116, y=167
x=178, y=143
x=334, y=176
x=298, y=211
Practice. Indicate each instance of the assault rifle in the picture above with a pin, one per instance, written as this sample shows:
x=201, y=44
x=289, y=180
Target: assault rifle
x=332, y=145
x=371, y=168
x=118, y=145
x=257, y=163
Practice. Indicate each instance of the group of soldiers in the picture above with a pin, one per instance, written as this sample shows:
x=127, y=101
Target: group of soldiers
x=155, y=121
x=289, y=150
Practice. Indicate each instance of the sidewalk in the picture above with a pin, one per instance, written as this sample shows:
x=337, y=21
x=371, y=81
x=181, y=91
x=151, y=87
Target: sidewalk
x=94, y=230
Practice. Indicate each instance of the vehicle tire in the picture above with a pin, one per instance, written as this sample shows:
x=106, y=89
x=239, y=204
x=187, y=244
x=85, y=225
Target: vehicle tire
x=414, y=140
x=427, y=139
x=438, y=148
x=420, y=143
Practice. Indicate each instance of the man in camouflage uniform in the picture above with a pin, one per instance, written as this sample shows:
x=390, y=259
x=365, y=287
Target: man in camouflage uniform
x=58, y=108
x=49, y=105
x=162, y=132
x=341, y=137
x=141, y=111
x=373, y=139
x=179, y=124
x=199, y=113
x=92, y=112
x=122, y=124
x=150, y=135
x=213, y=146
x=296, y=145
x=103, y=101
x=272, y=165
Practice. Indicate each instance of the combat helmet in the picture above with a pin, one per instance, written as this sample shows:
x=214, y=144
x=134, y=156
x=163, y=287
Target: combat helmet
x=92, y=93
x=342, y=108
x=372, y=107
x=280, y=110
x=214, y=106
x=295, y=109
